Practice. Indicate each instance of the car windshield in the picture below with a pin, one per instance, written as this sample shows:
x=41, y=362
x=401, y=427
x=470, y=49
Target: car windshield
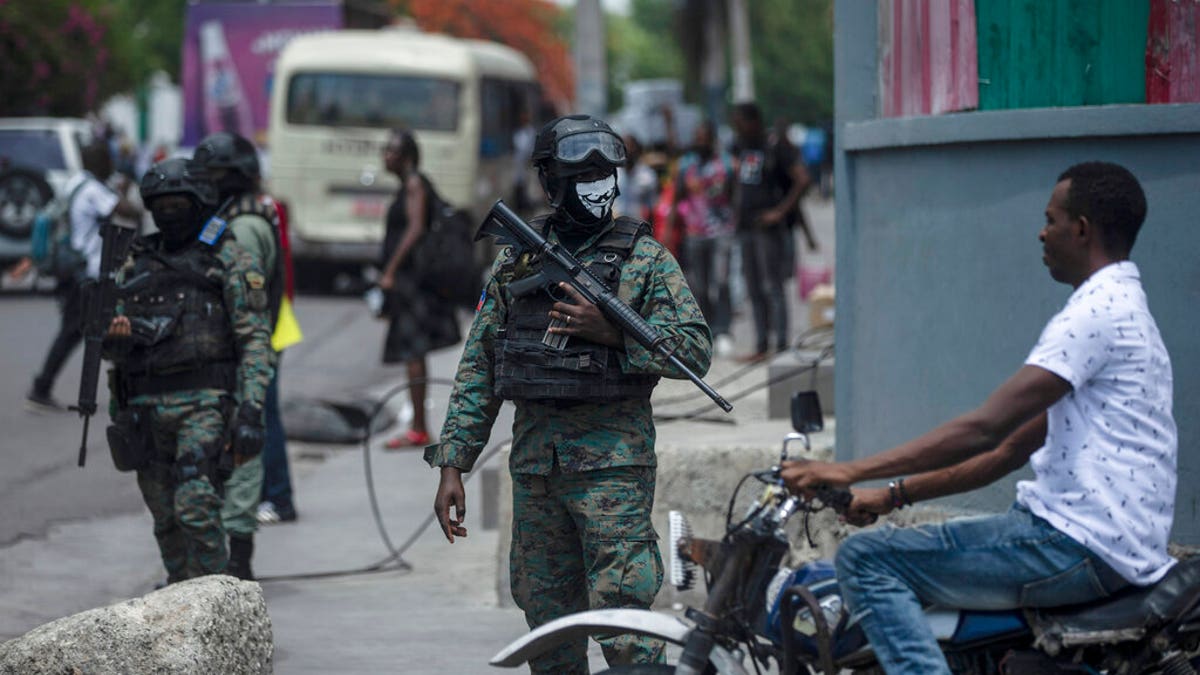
x=37, y=149
x=378, y=101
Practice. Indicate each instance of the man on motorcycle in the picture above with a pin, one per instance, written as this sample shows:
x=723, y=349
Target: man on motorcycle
x=1090, y=410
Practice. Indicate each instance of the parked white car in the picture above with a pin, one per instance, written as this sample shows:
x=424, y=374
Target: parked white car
x=37, y=157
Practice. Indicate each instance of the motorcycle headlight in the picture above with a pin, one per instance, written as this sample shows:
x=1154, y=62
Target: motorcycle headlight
x=679, y=535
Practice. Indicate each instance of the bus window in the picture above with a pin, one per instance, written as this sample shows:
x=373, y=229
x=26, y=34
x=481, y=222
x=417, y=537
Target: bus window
x=501, y=104
x=373, y=101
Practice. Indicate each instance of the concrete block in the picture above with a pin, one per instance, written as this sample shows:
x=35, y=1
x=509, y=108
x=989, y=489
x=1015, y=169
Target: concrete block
x=791, y=372
x=213, y=624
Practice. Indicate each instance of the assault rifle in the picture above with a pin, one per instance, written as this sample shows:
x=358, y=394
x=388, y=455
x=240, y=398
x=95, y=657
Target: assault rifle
x=99, y=305
x=558, y=265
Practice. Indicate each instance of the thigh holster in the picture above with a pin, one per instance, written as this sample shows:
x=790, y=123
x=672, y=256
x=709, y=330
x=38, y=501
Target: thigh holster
x=129, y=439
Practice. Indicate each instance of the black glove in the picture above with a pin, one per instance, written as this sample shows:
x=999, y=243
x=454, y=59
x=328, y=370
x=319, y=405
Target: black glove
x=248, y=432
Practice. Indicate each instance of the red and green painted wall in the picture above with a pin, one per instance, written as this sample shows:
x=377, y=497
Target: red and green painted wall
x=939, y=56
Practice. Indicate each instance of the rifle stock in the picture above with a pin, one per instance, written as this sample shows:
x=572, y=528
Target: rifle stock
x=558, y=265
x=99, y=302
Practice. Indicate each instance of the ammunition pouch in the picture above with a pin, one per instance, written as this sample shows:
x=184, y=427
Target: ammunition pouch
x=147, y=331
x=129, y=439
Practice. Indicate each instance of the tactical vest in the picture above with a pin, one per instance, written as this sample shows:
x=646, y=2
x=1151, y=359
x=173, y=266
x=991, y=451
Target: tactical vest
x=254, y=204
x=582, y=371
x=182, y=332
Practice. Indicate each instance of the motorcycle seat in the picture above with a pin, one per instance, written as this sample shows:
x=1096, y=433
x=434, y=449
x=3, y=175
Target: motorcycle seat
x=1126, y=615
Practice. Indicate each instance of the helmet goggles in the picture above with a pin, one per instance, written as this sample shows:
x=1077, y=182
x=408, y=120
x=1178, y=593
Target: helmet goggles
x=575, y=148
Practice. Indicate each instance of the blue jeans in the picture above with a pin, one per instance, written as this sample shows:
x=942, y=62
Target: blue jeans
x=277, y=481
x=1016, y=559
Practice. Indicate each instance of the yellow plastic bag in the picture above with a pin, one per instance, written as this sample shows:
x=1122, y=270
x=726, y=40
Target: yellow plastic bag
x=287, y=328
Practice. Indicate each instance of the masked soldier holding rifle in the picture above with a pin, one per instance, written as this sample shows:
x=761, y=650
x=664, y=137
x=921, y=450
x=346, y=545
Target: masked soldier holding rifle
x=192, y=359
x=583, y=462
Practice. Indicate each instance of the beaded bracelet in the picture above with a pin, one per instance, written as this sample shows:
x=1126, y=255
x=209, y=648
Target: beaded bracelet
x=894, y=492
x=903, y=493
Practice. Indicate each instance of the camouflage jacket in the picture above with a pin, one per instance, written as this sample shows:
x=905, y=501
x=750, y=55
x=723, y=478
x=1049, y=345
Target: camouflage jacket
x=243, y=288
x=586, y=436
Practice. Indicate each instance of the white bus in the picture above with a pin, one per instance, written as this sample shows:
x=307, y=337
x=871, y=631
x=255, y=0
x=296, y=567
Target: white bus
x=337, y=94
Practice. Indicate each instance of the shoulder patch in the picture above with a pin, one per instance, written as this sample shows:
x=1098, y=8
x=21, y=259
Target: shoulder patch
x=256, y=292
x=255, y=281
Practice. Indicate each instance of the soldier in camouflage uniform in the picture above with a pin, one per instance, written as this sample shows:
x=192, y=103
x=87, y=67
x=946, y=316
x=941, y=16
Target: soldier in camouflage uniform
x=582, y=462
x=253, y=218
x=190, y=346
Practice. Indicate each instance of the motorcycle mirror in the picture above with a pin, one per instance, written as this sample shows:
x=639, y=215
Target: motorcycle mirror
x=783, y=454
x=806, y=412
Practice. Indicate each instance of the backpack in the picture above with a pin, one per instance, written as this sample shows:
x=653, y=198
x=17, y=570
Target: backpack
x=50, y=240
x=444, y=260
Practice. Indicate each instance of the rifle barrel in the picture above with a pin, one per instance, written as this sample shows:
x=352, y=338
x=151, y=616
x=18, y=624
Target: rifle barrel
x=623, y=315
x=83, y=443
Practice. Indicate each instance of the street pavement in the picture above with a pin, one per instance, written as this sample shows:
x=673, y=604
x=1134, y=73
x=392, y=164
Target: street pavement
x=441, y=615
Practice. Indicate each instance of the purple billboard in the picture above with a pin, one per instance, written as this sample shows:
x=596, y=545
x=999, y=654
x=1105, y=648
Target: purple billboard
x=229, y=52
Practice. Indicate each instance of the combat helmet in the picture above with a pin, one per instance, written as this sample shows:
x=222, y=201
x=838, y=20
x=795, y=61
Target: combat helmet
x=570, y=146
x=231, y=159
x=178, y=175
x=577, y=142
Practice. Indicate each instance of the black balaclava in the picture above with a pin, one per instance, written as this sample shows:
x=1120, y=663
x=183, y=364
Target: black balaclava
x=181, y=226
x=589, y=202
x=584, y=206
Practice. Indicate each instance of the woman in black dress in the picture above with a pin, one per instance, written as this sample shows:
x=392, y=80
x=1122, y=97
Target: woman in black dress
x=418, y=322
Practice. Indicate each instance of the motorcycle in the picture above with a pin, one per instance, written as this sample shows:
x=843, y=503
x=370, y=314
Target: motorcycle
x=758, y=611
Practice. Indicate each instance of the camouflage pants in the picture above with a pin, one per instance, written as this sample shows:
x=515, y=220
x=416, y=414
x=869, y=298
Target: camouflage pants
x=180, y=495
x=239, y=512
x=585, y=541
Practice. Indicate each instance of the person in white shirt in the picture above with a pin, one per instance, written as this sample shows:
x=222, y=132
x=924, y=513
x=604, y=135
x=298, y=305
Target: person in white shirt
x=1090, y=411
x=92, y=204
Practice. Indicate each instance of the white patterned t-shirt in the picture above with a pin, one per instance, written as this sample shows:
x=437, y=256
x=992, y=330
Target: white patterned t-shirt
x=1106, y=475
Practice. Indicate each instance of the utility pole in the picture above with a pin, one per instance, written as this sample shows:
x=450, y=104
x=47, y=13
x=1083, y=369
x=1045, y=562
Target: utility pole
x=743, y=67
x=713, y=70
x=591, y=76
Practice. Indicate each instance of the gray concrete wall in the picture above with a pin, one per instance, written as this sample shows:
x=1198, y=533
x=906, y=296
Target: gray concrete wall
x=941, y=288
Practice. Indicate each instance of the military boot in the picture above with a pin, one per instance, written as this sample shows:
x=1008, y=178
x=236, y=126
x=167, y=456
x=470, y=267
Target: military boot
x=241, y=549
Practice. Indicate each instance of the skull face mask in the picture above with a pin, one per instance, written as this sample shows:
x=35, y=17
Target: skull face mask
x=592, y=201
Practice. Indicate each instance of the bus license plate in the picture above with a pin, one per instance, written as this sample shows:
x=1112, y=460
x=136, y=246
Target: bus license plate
x=369, y=208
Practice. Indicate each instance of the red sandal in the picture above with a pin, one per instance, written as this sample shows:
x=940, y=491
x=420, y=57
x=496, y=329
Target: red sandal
x=409, y=439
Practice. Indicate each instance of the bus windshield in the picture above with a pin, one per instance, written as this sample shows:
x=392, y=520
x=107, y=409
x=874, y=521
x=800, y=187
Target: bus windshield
x=377, y=101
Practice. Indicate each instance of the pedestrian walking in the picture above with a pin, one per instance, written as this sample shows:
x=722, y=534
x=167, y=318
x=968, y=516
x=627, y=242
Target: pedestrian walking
x=583, y=462
x=92, y=203
x=418, y=321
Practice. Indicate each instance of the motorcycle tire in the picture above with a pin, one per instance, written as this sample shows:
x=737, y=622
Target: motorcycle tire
x=22, y=194
x=639, y=669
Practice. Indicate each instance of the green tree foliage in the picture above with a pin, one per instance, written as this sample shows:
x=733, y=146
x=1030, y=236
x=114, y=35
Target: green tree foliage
x=65, y=57
x=791, y=44
x=641, y=47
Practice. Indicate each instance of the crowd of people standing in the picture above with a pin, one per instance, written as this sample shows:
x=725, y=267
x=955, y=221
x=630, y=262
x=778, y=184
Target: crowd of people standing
x=719, y=209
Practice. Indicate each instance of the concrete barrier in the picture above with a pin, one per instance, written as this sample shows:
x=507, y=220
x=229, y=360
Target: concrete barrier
x=213, y=624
